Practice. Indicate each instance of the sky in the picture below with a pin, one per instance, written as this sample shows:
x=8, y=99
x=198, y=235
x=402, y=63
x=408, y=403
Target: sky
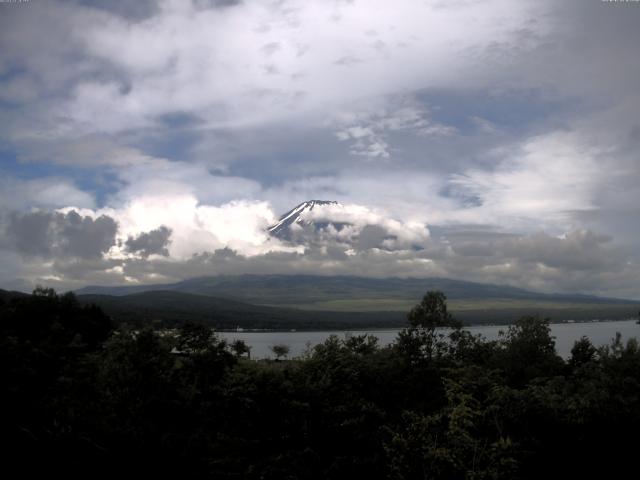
x=492, y=141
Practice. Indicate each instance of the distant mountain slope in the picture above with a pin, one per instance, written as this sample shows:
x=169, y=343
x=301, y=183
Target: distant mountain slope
x=168, y=308
x=310, y=289
x=6, y=295
x=352, y=300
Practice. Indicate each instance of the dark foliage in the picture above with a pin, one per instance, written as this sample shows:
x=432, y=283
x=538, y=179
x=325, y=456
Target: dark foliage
x=81, y=399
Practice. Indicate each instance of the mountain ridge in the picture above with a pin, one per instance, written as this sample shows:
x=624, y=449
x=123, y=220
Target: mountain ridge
x=406, y=287
x=272, y=305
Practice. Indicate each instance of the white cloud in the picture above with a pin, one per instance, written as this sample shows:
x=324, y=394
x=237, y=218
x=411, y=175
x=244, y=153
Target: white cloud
x=210, y=61
x=398, y=235
x=195, y=228
x=368, y=125
x=546, y=179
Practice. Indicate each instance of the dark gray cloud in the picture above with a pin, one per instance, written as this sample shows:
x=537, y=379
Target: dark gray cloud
x=539, y=262
x=144, y=9
x=578, y=251
x=150, y=243
x=218, y=3
x=371, y=236
x=179, y=120
x=54, y=234
x=578, y=261
x=136, y=11
x=30, y=234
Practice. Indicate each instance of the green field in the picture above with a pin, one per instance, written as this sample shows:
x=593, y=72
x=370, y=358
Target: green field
x=354, y=305
x=484, y=311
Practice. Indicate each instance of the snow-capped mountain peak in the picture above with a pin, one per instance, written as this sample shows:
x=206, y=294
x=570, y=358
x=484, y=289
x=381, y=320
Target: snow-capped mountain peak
x=297, y=216
x=323, y=223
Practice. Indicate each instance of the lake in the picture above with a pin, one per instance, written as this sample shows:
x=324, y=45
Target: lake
x=600, y=333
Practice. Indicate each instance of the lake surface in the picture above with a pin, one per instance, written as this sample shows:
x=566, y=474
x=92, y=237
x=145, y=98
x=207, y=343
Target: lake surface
x=600, y=333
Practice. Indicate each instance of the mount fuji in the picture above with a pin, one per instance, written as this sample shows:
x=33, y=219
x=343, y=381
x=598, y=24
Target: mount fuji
x=303, y=218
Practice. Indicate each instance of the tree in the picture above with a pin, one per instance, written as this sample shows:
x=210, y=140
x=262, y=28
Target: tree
x=239, y=347
x=531, y=335
x=421, y=340
x=529, y=350
x=280, y=350
x=453, y=442
x=41, y=291
x=361, y=344
x=194, y=337
x=583, y=352
x=432, y=312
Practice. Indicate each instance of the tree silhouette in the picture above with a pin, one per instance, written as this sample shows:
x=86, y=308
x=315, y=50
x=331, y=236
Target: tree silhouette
x=280, y=350
x=432, y=312
x=421, y=340
x=239, y=348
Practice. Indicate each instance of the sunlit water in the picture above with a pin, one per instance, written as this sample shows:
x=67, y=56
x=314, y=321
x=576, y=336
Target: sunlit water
x=600, y=333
